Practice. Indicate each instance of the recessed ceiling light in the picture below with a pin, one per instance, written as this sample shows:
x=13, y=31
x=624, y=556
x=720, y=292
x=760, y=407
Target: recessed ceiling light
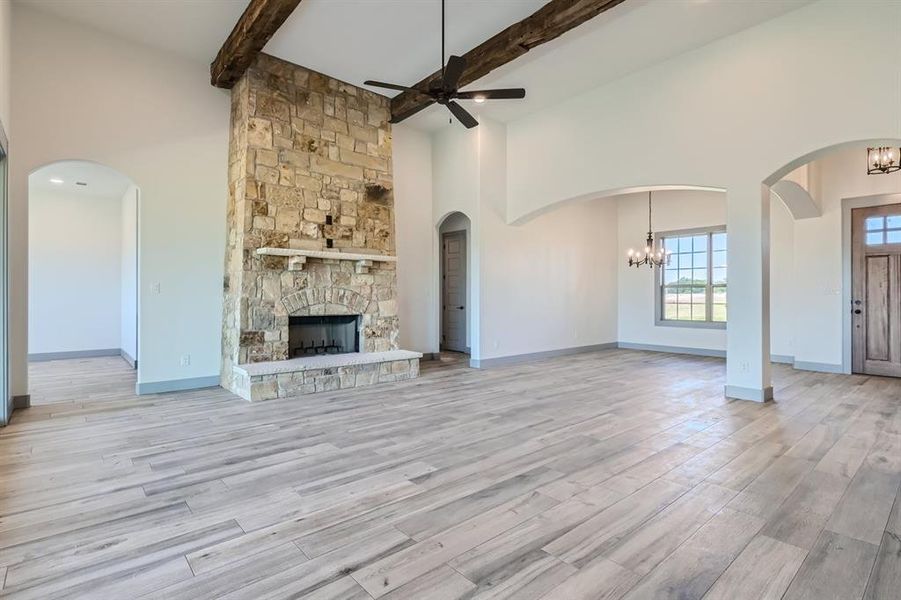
x=56, y=181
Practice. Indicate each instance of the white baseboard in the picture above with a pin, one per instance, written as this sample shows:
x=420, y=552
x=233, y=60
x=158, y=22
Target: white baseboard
x=45, y=356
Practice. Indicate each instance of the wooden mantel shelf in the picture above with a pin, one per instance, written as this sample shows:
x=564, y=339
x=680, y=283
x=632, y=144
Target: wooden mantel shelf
x=297, y=257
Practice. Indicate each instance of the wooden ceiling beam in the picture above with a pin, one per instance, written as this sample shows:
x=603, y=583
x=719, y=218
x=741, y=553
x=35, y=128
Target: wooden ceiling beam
x=259, y=22
x=547, y=23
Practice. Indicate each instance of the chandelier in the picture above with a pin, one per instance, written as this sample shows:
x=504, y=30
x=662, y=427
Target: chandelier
x=883, y=160
x=652, y=257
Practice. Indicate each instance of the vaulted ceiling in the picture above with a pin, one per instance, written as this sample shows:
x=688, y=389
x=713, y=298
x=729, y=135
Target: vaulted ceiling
x=399, y=40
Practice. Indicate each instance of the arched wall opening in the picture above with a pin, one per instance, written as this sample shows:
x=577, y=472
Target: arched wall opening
x=82, y=298
x=456, y=287
x=681, y=306
x=813, y=319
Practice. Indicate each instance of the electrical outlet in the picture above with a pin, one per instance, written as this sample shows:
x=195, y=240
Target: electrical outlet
x=186, y=360
x=155, y=288
x=744, y=366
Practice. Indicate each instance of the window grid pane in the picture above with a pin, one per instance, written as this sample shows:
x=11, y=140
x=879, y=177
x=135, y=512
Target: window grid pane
x=693, y=281
x=883, y=230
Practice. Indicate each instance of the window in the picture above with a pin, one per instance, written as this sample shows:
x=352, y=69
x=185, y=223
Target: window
x=691, y=286
x=883, y=230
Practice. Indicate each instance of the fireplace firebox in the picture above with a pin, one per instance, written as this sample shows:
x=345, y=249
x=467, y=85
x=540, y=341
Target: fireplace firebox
x=323, y=334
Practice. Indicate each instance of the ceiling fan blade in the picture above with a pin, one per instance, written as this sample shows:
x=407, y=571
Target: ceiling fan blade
x=462, y=115
x=505, y=94
x=453, y=71
x=410, y=112
x=391, y=86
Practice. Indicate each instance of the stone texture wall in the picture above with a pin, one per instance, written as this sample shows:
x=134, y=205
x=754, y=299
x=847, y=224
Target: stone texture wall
x=310, y=381
x=309, y=159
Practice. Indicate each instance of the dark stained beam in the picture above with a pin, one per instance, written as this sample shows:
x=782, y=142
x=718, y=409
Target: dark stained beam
x=549, y=22
x=260, y=21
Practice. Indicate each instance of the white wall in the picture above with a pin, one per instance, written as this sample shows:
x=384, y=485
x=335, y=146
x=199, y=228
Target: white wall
x=128, y=343
x=783, y=297
x=74, y=272
x=542, y=285
x=5, y=62
x=548, y=283
x=412, y=159
x=728, y=115
x=154, y=117
x=455, y=188
x=817, y=275
x=673, y=210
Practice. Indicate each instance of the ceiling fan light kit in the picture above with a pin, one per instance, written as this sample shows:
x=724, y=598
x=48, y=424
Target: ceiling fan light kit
x=446, y=91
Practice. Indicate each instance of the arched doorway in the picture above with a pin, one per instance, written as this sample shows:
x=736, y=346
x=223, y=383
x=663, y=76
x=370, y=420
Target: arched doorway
x=455, y=322
x=83, y=264
x=827, y=307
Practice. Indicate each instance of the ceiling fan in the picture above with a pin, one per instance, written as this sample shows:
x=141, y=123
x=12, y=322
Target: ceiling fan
x=446, y=91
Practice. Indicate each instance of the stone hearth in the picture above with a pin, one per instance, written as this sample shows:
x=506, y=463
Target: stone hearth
x=309, y=181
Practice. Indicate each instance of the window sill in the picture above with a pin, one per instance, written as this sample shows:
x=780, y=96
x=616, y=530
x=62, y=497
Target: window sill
x=690, y=324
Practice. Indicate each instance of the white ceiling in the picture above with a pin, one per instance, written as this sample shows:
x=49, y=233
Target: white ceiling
x=102, y=182
x=194, y=29
x=399, y=40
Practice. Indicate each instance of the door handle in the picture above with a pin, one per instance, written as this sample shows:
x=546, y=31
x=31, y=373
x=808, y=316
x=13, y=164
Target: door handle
x=461, y=307
x=857, y=311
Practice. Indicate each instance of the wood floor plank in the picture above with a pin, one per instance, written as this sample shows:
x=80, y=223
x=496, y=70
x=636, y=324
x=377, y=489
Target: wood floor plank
x=763, y=571
x=865, y=508
x=691, y=569
x=600, y=579
x=885, y=580
x=599, y=475
x=837, y=568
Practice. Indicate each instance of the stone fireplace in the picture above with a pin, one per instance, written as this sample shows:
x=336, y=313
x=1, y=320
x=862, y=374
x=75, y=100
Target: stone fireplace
x=310, y=237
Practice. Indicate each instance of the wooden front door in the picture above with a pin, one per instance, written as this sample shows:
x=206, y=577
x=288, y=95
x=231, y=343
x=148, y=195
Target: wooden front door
x=453, y=291
x=876, y=290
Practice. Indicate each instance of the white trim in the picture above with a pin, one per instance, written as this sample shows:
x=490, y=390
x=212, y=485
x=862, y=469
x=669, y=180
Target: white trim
x=673, y=349
x=485, y=363
x=659, y=320
x=176, y=385
x=737, y=392
x=45, y=356
x=802, y=365
x=129, y=359
x=333, y=255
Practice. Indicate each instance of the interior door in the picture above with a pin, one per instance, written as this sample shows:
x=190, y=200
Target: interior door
x=453, y=294
x=876, y=293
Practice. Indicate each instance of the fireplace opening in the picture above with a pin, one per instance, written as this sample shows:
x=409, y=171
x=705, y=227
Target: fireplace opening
x=324, y=334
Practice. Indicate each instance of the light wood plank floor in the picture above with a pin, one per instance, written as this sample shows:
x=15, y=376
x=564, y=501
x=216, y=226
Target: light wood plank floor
x=609, y=475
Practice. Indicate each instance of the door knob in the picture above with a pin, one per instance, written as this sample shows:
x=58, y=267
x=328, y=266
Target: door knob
x=857, y=311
